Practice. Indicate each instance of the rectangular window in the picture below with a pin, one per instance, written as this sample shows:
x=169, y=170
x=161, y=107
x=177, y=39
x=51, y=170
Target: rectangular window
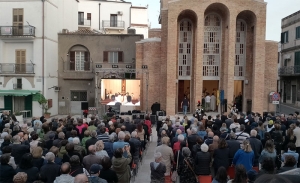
x=298, y=32
x=285, y=37
x=79, y=61
x=18, y=16
x=113, y=57
x=113, y=20
x=89, y=16
x=78, y=96
x=80, y=18
x=20, y=56
x=297, y=58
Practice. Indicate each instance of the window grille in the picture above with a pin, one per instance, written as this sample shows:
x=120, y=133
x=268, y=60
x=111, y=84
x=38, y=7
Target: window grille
x=78, y=96
x=212, y=49
x=185, y=49
x=240, y=49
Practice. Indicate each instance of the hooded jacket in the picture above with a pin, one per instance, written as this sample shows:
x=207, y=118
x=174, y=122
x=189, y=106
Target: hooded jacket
x=64, y=178
x=121, y=167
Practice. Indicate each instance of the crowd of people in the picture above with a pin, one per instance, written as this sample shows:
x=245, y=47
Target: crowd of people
x=256, y=148
x=71, y=150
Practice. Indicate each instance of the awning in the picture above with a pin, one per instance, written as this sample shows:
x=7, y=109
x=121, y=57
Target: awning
x=18, y=93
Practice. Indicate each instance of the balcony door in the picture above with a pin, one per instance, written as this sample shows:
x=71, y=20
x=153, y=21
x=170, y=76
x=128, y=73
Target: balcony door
x=18, y=15
x=80, y=18
x=20, y=66
x=113, y=20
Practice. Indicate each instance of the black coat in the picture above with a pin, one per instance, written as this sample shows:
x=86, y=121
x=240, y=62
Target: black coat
x=91, y=141
x=49, y=172
x=18, y=150
x=202, y=163
x=257, y=148
x=6, y=173
x=192, y=141
x=221, y=158
x=233, y=146
x=38, y=162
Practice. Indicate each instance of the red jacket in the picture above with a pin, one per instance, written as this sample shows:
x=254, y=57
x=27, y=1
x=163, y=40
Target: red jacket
x=148, y=123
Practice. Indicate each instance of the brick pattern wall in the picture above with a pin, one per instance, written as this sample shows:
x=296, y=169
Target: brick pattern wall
x=154, y=33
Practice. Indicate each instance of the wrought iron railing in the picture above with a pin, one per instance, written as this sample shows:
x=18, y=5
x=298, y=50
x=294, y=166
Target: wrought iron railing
x=113, y=24
x=74, y=66
x=10, y=68
x=84, y=22
x=17, y=86
x=289, y=70
x=17, y=30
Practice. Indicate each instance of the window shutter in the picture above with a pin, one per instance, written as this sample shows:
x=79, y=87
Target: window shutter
x=105, y=56
x=287, y=37
x=298, y=32
x=282, y=38
x=120, y=56
x=89, y=16
x=72, y=56
x=297, y=58
x=87, y=61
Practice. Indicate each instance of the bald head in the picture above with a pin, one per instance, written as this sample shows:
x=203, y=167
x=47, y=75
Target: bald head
x=178, y=131
x=65, y=168
x=211, y=134
x=81, y=178
x=92, y=149
x=216, y=138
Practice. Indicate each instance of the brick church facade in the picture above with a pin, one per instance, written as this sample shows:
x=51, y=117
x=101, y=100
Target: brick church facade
x=205, y=46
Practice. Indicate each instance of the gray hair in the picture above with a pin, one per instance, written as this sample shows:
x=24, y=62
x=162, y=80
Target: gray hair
x=121, y=135
x=186, y=152
x=61, y=135
x=111, y=137
x=242, y=127
x=93, y=133
x=253, y=133
x=160, y=118
x=50, y=157
x=134, y=134
x=165, y=126
x=194, y=130
x=232, y=135
x=29, y=124
x=180, y=138
x=76, y=140
x=16, y=139
x=127, y=119
x=157, y=155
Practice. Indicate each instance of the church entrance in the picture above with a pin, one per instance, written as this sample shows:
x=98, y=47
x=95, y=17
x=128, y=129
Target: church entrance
x=238, y=94
x=210, y=87
x=183, y=90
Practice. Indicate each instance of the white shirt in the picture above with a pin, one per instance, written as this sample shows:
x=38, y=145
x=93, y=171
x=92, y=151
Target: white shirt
x=207, y=98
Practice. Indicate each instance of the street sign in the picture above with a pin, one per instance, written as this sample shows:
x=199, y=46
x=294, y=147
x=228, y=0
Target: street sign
x=275, y=102
x=98, y=66
x=275, y=96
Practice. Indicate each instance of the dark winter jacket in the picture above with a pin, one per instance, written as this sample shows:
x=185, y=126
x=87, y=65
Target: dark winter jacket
x=202, y=163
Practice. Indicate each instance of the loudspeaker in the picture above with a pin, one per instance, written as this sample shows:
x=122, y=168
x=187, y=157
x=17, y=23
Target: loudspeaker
x=129, y=113
x=110, y=114
x=142, y=116
x=84, y=106
x=134, y=116
x=160, y=113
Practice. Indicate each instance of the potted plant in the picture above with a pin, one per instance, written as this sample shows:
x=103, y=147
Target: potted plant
x=44, y=104
x=19, y=116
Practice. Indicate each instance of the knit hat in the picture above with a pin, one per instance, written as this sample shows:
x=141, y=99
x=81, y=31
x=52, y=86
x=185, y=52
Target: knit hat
x=95, y=168
x=20, y=177
x=204, y=147
x=271, y=122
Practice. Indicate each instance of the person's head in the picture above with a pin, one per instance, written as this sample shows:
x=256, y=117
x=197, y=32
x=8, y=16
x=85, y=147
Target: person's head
x=61, y=135
x=65, y=168
x=251, y=174
x=99, y=145
x=106, y=163
x=222, y=144
x=37, y=152
x=269, y=146
x=268, y=165
x=246, y=146
x=186, y=152
x=180, y=138
x=253, y=133
x=240, y=174
x=199, y=140
x=81, y=178
x=20, y=177
x=26, y=161
x=242, y=127
x=158, y=157
x=178, y=132
x=6, y=149
x=121, y=135
x=204, y=147
x=194, y=130
x=165, y=140
x=5, y=159
x=111, y=138
x=290, y=161
x=268, y=178
x=95, y=169
x=221, y=175
x=216, y=139
x=74, y=160
x=94, y=134
x=92, y=149
x=50, y=157
x=54, y=150
x=16, y=139
x=211, y=134
x=268, y=136
x=291, y=146
x=118, y=153
x=134, y=134
x=70, y=147
x=64, y=142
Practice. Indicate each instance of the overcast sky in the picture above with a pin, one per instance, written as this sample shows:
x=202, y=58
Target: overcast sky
x=276, y=10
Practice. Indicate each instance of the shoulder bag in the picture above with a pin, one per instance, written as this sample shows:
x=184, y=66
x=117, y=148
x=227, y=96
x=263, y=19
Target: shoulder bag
x=175, y=177
x=196, y=177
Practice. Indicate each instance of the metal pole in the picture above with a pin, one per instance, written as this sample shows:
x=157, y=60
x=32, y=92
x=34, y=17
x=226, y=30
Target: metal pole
x=96, y=92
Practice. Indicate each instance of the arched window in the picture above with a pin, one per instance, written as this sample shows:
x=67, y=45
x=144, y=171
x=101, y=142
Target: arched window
x=185, y=49
x=79, y=58
x=212, y=46
x=240, y=50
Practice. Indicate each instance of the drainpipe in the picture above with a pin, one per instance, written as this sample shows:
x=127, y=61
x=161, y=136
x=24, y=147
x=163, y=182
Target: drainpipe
x=99, y=17
x=43, y=48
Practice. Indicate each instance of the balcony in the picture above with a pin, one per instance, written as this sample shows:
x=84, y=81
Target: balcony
x=80, y=71
x=84, y=23
x=26, y=31
x=107, y=24
x=17, y=86
x=289, y=71
x=10, y=68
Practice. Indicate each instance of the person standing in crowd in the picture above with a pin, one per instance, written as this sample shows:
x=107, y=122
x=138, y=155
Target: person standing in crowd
x=186, y=167
x=184, y=105
x=64, y=177
x=167, y=154
x=290, y=138
x=7, y=172
x=240, y=175
x=297, y=134
x=94, y=174
x=50, y=170
x=256, y=147
x=120, y=164
x=221, y=176
x=158, y=169
x=213, y=101
x=207, y=102
x=221, y=156
x=107, y=173
x=244, y=156
x=203, y=161
x=268, y=152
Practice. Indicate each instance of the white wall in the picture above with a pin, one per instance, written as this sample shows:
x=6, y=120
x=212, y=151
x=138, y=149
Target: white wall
x=106, y=8
x=139, y=18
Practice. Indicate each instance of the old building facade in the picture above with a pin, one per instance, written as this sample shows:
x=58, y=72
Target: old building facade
x=205, y=46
